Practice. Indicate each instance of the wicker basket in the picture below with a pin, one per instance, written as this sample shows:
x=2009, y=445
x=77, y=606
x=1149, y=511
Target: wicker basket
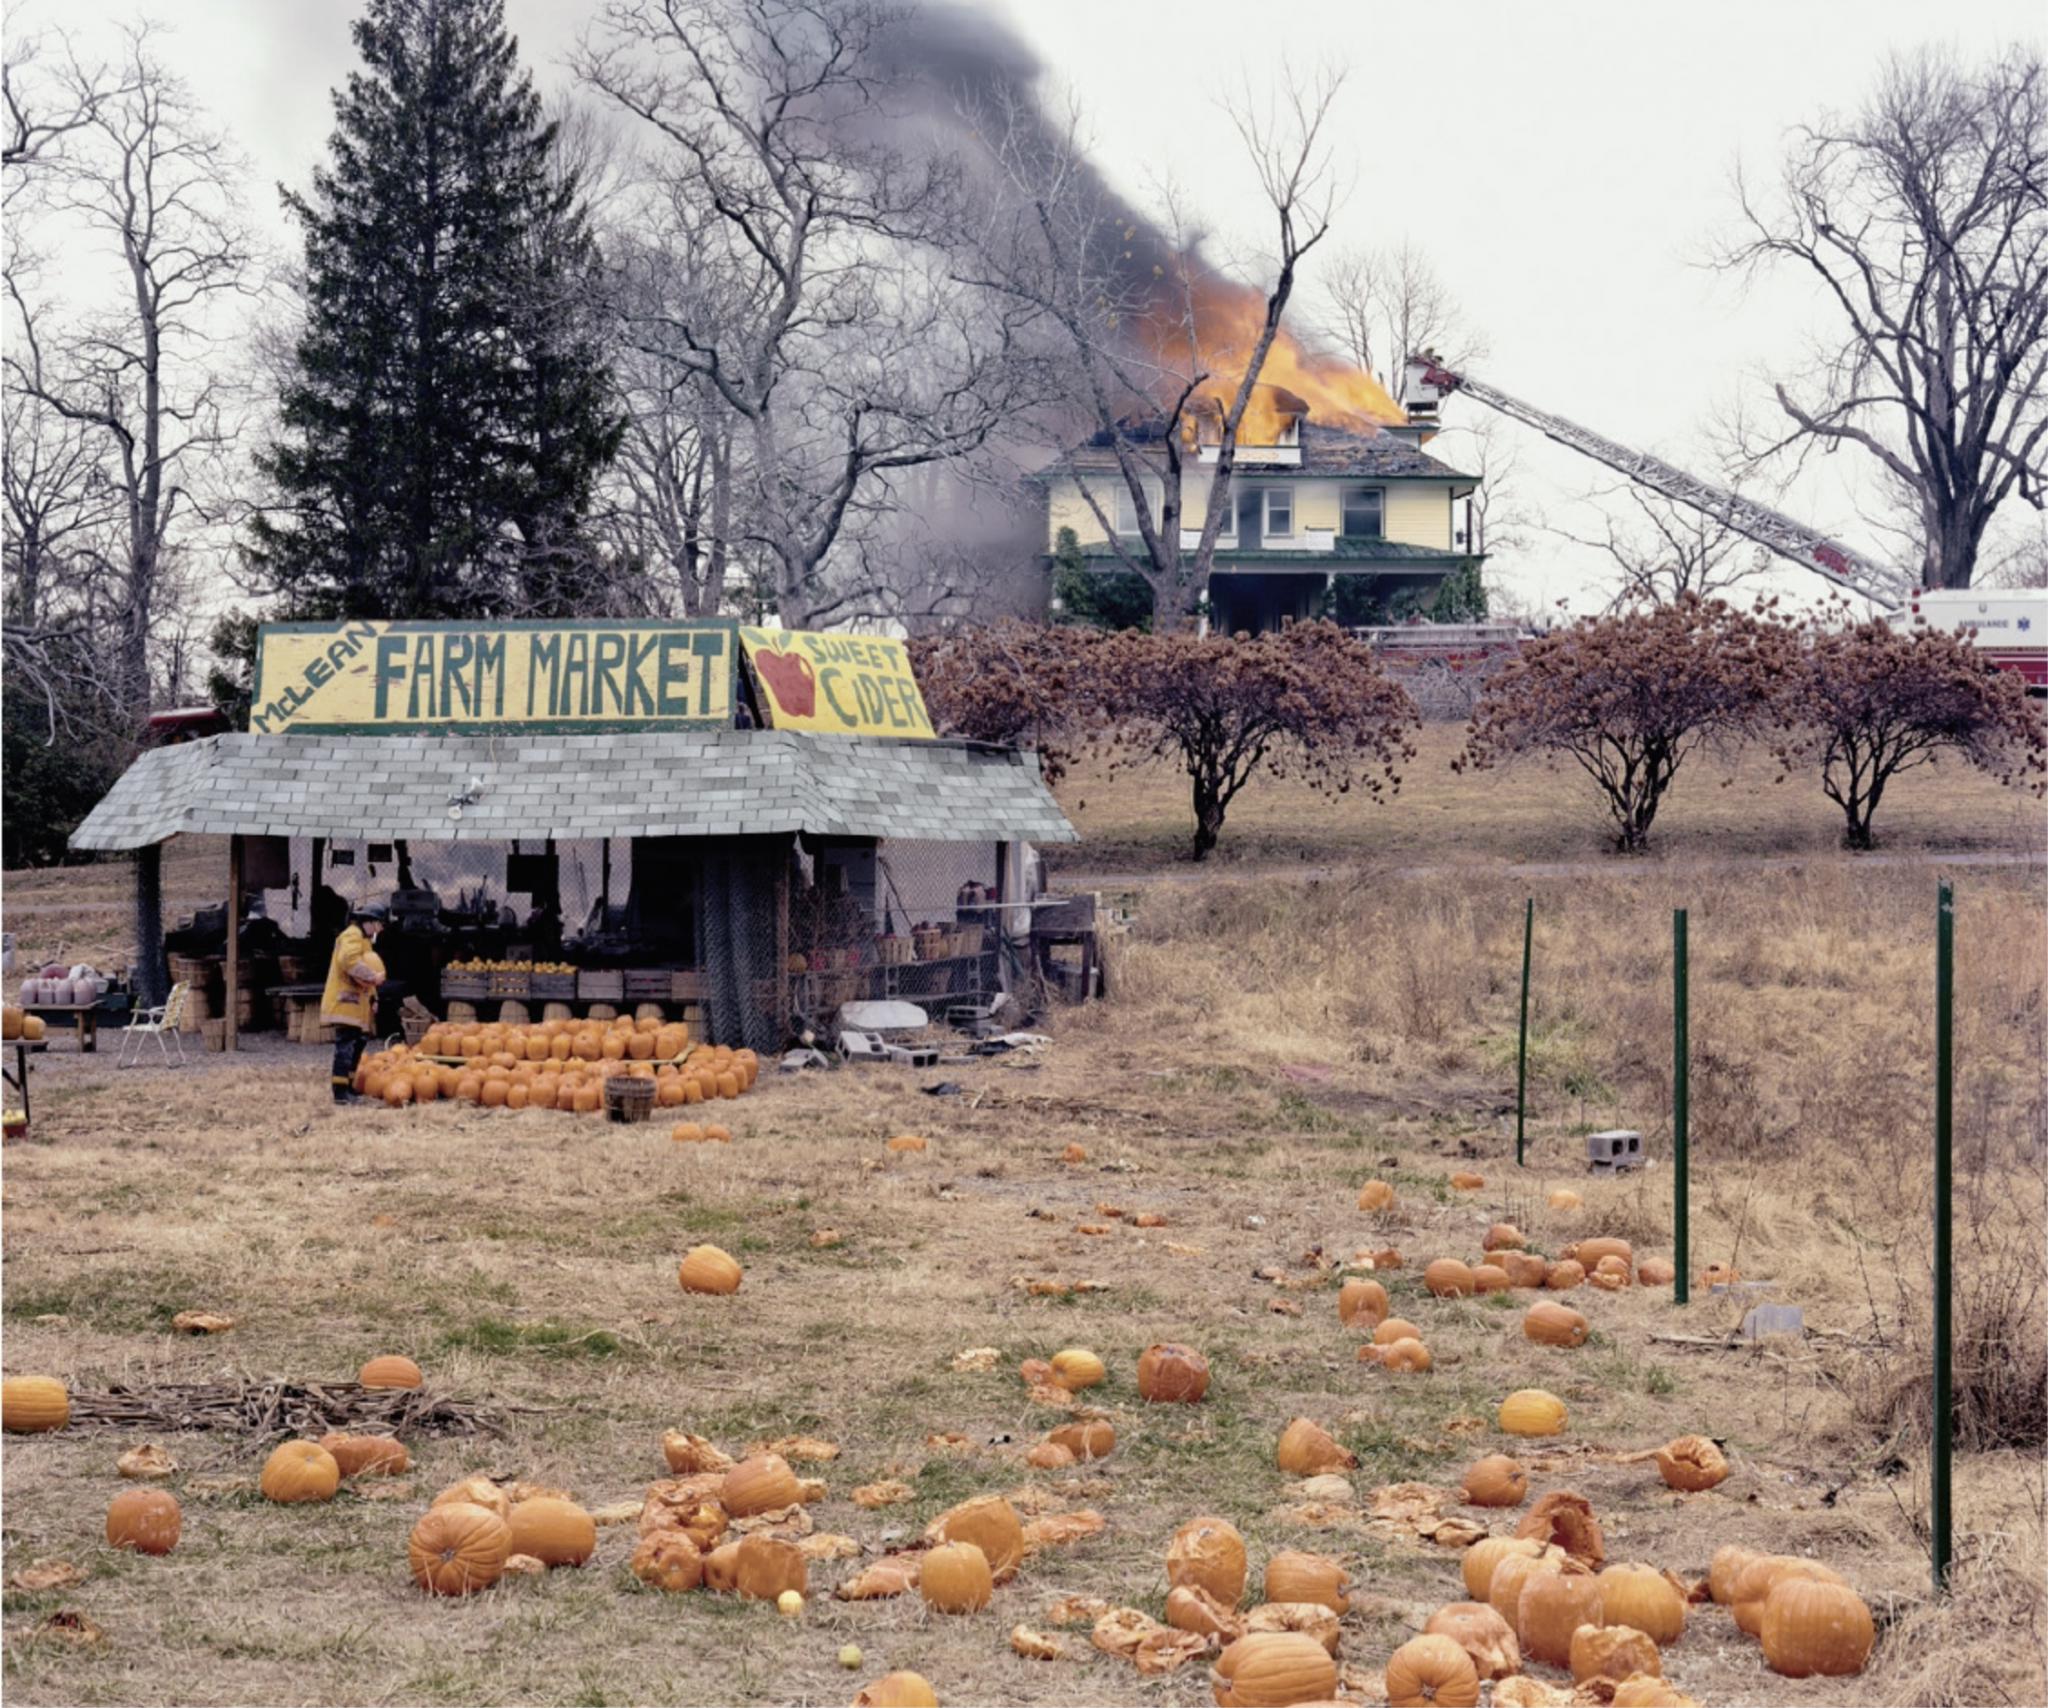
x=628, y=1099
x=415, y=1026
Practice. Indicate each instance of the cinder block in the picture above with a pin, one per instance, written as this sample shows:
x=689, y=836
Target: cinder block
x=1618, y=1148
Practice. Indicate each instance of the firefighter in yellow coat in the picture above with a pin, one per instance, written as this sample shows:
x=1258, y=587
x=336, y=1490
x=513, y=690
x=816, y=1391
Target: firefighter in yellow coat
x=353, y=976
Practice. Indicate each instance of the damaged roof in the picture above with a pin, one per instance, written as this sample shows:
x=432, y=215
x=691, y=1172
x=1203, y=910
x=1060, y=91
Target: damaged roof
x=1335, y=452
x=493, y=789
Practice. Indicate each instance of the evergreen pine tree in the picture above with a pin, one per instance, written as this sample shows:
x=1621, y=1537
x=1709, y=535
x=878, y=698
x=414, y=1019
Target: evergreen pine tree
x=450, y=408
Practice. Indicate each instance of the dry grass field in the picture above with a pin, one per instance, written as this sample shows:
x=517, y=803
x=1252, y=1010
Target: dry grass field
x=1274, y=1037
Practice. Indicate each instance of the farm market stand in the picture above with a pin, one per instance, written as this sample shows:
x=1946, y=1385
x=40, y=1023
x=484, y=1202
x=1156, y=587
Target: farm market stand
x=740, y=878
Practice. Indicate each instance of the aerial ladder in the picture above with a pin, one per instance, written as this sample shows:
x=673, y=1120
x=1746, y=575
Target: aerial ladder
x=1429, y=382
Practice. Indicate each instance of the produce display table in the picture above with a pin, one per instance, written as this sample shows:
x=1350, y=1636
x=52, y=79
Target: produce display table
x=18, y=1078
x=84, y=1015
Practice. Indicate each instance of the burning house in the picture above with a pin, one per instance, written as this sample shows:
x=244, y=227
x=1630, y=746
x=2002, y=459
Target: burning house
x=1334, y=507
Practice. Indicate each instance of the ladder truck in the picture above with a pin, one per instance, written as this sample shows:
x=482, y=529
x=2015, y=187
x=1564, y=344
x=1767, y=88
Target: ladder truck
x=1429, y=382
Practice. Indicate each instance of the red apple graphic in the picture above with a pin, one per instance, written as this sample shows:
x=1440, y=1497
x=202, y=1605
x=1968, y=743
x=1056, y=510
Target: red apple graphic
x=791, y=680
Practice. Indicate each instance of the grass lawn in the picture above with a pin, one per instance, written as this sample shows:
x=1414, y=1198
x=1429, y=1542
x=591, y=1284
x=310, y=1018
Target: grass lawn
x=1274, y=1038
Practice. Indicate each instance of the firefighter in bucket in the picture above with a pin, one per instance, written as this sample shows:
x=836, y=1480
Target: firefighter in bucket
x=349, y=1000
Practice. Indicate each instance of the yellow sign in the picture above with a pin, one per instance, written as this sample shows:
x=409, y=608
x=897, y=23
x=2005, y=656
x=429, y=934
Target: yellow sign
x=842, y=684
x=378, y=678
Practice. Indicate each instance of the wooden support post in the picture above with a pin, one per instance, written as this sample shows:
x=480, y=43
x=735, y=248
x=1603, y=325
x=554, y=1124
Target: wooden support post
x=232, y=976
x=146, y=977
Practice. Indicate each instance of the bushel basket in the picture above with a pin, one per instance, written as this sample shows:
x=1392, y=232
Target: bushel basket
x=628, y=1099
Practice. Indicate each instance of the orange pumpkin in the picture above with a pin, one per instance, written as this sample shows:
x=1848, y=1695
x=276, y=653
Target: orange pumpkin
x=299, y=1471
x=1307, y=1449
x=1554, y=1604
x=1496, y=1480
x=555, y=1532
x=668, y=1560
x=955, y=1578
x=767, y=1567
x=1551, y=1324
x=762, y=1482
x=1295, y=1575
x=1488, y=1640
x=31, y=1404
x=1089, y=1438
x=1265, y=1669
x=707, y=1269
x=1208, y=1553
x=390, y=1371
x=1811, y=1626
x=991, y=1523
x=366, y=1455
x=457, y=1547
x=1168, y=1372
x=1447, y=1278
x=1431, y=1670
x=1361, y=1299
x=1644, y=1599
x=144, y=1519
x=897, y=1690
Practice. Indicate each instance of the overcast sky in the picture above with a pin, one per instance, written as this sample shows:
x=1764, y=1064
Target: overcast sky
x=1566, y=165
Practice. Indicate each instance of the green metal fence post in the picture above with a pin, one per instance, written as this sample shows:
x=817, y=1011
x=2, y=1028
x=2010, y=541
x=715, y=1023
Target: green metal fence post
x=1522, y=1048
x=1944, y=1186
x=1681, y=1113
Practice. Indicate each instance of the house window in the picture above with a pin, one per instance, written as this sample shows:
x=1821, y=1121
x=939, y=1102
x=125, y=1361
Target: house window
x=1279, y=512
x=1127, y=510
x=1365, y=512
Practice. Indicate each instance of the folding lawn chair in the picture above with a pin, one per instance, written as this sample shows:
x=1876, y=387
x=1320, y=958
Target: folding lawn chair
x=160, y=1023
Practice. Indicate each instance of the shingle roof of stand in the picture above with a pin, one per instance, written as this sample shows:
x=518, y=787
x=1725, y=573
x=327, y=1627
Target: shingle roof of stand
x=681, y=783
x=1325, y=450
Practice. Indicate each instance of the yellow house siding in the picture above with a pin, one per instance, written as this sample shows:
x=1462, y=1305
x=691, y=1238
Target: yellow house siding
x=1066, y=508
x=1317, y=504
x=1419, y=515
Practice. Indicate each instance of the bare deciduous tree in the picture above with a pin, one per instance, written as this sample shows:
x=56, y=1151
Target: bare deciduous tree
x=1163, y=357
x=1923, y=221
x=795, y=274
x=136, y=376
x=1662, y=551
x=1383, y=304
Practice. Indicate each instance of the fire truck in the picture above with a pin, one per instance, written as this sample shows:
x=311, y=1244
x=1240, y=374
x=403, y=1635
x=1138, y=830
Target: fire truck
x=2010, y=625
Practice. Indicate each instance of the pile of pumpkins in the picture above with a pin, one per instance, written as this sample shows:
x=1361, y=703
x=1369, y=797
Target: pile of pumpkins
x=18, y=1023
x=555, y=1064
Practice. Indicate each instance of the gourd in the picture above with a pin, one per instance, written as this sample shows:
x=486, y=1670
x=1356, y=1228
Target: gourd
x=1090, y=1438
x=1496, y=1480
x=1488, y=1640
x=1269, y=1668
x=1076, y=1368
x=1642, y=1597
x=706, y=1269
x=1483, y=1558
x=1295, y=1575
x=1566, y=1520
x=991, y=1523
x=1550, y=1324
x=1691, y=1463
x=367, y=1455
x=1209, y=1554
x=1811, y=1626
x=32, y=1404
x=767, y=1567
x=668, y=1560
x=555, y=1532
x=1555, y=1604
x=1168, y=1372
x=458, y=1547
x=955, y=1578
x=1613, y=1652
x=390, y=1371
x=299, y=1471
x=1361, y=1297
x=477, y=1491
x=144, y=1519
x=762, y=1482
x=1376, y=1195
x=1447, y=1278
x=1307, y=1449
x=1431, y=1669
x=1532, y=1411
x=1392, y=1329
x=1405, y=1357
